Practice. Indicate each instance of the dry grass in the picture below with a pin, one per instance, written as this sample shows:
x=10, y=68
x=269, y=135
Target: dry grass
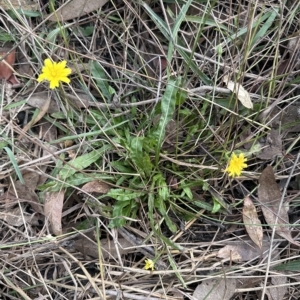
x=147, y=94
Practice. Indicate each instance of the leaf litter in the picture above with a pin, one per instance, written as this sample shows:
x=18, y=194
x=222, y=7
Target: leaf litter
x=272, y=207
x=245, y=250
x=53, y=210
x=252, y=222
x=80, y=108
x=240, y=91
x=215, y=289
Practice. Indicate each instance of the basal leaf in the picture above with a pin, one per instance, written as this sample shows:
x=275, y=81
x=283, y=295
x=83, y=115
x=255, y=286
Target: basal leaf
x=101, y=79
x=120, y=210
x=124, y=195
x=139, y=156
x=79, y=163
x=168, y=102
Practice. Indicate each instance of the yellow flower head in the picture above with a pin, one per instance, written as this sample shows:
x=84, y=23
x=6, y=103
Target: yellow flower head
x=149, y=264
x=236, y=165
x=54, y=73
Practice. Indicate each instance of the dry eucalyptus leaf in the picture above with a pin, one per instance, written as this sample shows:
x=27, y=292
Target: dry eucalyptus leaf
x=37, y=100
x=286, y=118
x=42, y=111
x=241, y=93
x=75, y=9
x=294, y=43
x=245, y=251
x=26, y=193
x=96, y=186
x=238, y=253
x=269, y=196
x=31, y=179
x=17, y=4
x=252, y=222
x=14, y=217
x=80, y=100
x=53, y=210
x=280, y=288
x=273, y=146
x=6, y=69
x=215, y=289
x=108, y=247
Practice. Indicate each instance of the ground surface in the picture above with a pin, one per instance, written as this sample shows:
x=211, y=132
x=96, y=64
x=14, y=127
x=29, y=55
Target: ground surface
x=130, y=160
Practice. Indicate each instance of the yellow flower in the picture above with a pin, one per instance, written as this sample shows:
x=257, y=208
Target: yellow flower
x=149, y=264
x=236, y=165
x=54, y=73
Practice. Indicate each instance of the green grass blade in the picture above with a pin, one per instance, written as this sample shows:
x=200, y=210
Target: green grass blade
x=262, y=32
x=162, y=26
x=14, y=163
x=101, y=79
x=80, y=163
x=177, y=24
x=244, y=30
x=199, y=20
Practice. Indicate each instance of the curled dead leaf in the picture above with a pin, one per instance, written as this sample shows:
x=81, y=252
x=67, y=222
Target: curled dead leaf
x=239, y=90
x=252, y=222
x=96, y=186
x=42, y=111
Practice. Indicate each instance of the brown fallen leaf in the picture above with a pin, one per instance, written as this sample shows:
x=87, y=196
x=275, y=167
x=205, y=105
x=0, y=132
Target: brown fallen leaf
x=108, y=247
x=37, y=100
x=53, y=210
x=239, y=253
x=26, y=193
x=273, y=146
x=252, y=222
x=6, y=69
x=17, y=4
x=274, y=212
x=42, y=111
x=14, y=217
x=81, y=100
x=31, y=179
x=280, y=288
x=215, y=289
x=47, y=133
x=245, y=251
x=287, y=118
x=240, y=91
x=75, y=9
x=96, y=186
